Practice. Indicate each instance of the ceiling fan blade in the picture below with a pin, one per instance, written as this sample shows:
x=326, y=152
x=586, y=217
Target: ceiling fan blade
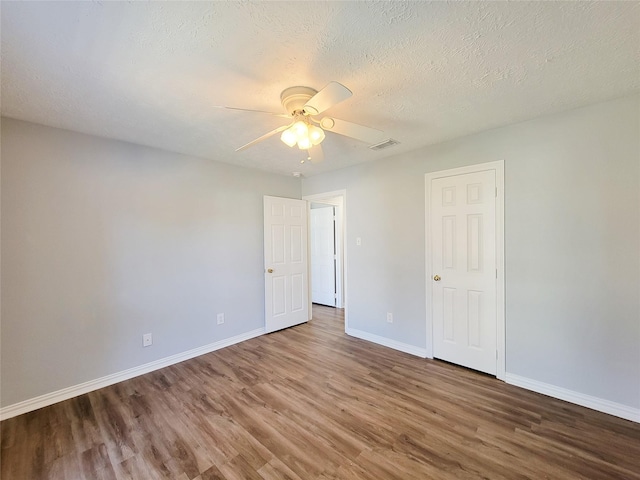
x=316, y=154
x=330, y=95
x=263, y=137
x=359, y=132
x=283, y=115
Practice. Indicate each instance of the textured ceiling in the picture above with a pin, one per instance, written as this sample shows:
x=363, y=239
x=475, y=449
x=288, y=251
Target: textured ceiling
x=424, y=72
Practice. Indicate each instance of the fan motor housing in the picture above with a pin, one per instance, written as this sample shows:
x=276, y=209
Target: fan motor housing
x=294, y=98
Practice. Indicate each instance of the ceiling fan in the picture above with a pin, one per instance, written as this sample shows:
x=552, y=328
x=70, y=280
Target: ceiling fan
x=302, y=105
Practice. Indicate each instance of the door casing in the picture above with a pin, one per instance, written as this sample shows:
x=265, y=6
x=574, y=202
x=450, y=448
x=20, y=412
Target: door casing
x=498, y=167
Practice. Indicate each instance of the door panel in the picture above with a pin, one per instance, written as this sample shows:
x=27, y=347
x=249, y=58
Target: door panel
x=463, y=239
x=323, y=272
x=278, y=296
x=277, y=242
x=285, y=253
x=298, y=298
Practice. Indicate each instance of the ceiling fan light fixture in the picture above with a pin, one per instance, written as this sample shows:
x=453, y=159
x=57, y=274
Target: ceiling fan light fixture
x=300, y=128
x=289, y=137
x=303, y=134
x=316, y=135
x=304, y=143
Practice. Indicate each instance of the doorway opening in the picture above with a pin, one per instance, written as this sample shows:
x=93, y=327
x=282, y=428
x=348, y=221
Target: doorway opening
x=327, y=250
x=323, y=256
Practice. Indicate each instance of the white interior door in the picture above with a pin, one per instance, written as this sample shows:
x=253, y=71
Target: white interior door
x=286, y=266
x=323, y=256
x=464, y=269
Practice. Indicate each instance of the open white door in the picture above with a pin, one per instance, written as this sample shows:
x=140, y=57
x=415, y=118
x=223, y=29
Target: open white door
x=286, y=266
x=323, y=256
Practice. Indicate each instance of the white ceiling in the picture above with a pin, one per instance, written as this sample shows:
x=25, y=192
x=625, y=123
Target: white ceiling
x=424, y=72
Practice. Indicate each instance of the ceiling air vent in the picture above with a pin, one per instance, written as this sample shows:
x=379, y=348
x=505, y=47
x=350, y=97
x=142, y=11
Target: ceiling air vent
x=386, y=144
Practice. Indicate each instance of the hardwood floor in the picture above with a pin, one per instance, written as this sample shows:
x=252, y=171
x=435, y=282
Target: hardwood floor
x=312, y=403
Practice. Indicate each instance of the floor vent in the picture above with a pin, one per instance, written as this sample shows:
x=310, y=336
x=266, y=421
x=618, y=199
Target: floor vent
x=386, y=144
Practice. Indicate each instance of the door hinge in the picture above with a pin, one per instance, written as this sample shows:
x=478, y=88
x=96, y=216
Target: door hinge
x=496, y=192
x=496, y=273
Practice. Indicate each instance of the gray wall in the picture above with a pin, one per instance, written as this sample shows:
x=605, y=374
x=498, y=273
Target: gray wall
x=572, y=222
x=103, y=241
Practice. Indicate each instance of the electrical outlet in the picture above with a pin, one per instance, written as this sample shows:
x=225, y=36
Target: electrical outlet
x=389, y=317
x=220, y=318
x=147, y=340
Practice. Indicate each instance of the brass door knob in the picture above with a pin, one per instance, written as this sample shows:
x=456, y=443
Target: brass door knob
x=436, y=278
x=270, y=270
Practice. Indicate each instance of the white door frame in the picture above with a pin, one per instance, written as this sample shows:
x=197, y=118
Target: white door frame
x=331, y=213
x=498, y=166
x=341, y=235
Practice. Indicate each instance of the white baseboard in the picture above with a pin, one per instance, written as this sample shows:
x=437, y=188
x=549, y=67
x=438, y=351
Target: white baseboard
x=386, y=342
x=594, y=403
x=86, y=387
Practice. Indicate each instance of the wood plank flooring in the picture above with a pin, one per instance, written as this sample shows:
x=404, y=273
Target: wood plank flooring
x=312, y=403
